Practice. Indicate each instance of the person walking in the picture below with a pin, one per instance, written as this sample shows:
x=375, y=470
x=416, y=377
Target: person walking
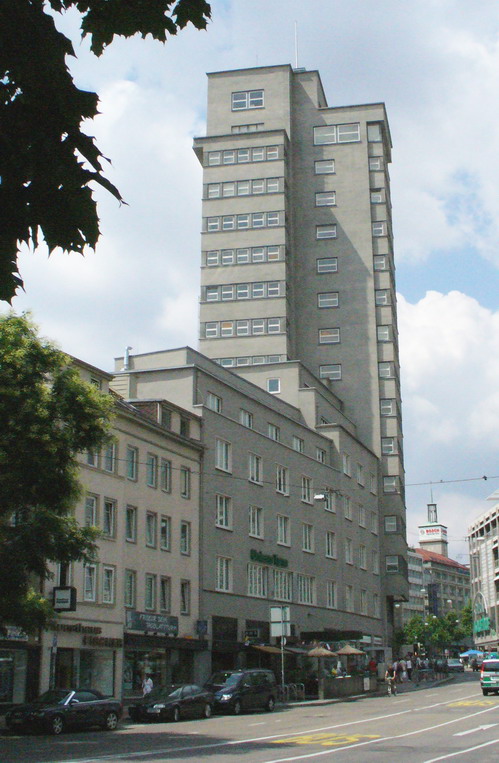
x=408, y=667
x=147, y=685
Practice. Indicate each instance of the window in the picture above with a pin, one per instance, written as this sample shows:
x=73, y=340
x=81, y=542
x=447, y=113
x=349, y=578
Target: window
x=298, y=444
x=223, y=511
x=347, y=464
x=391, y=524
x=380, y=262
x=328, y=299
x=392, y=563
x=390, y=484
x=325, y=198
x=330, y=371
x=109, y=458
x=185, y=597
x=375, y=163
x=283, y=585
x=374, y=134
x=132, y=459
x=257, y=580
x=374, y=523
x=92, y=458
x=109, y=518
x=306, y=489
x=282, y=480
x=387, y=407
x=362, y=557
x=273, y=386
x=165, y=533
x=324, y=167
x=347, y=507
x=331, y=594
x=185, y=426
x=305, y=589
x=376, y=606
x=165, y=474
x=362, y=516
x=255, y=468
x=330, y=500
x=320, y=455
x=151, y=470
x=346, y=133
x=388, y=446
x=108, y=574
x=90, y=511
x=131, y=524
x=327, y=265
x=130, y=588
x=379, y=228
x=223, y=455
x=223, y=574
x=151, y=529
x=330, y=544
x=166, y=418
x=382, y=297
x=385, y=370
x=348, y=551
x=283, y=538
x=307, y=537
x=377, y=196
x=325, y=231
x=360, y=475
x=363, y=601
x=185, y=537
x=165, y=594
x=150, y=592
x=246, y=418
x=349, y=600
x=373, y=486
x=255, y=517
x=249, y=99
x=89, y=582
x=214, y=402
x=375, y=562
x=384, y=333
x=274, y=432
x=185, y=482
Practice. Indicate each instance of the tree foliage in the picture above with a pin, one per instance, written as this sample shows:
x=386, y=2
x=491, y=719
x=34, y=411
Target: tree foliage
x=46, y=162
x=48, y=414
x=438, y=633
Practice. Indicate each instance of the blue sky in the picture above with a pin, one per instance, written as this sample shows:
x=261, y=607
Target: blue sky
x=435, y=64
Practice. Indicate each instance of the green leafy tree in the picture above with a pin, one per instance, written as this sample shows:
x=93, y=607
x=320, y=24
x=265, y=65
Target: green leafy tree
x=47, y=164
x=437, y=633
x=48, y=415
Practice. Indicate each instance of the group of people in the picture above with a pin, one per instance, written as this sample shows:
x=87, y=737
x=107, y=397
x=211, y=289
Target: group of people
x=401, y=670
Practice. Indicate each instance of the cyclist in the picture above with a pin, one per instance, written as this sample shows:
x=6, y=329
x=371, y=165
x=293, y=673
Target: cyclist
x=391, y=678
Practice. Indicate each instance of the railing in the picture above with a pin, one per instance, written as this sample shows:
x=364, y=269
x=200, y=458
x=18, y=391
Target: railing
x=291, y=692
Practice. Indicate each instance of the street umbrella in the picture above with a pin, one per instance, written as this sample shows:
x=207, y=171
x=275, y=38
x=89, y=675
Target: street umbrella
x=320, y=651
x=348, y=649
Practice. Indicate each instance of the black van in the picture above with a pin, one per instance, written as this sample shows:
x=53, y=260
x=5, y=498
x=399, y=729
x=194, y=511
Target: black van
x=240, y=690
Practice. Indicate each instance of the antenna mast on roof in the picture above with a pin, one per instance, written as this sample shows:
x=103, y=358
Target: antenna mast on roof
x=296, y=45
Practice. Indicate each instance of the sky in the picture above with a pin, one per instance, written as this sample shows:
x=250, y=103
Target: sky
x=435, y=64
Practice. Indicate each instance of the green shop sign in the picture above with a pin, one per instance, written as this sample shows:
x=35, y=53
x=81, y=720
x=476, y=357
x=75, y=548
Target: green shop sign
x=273, y=559
x=479, y=626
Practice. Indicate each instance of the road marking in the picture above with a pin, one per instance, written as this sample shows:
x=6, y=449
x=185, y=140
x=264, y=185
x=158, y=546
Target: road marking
x=261, y=723
x=462, y=752
x=325, y=739
x=472, y=703
x=478, y=728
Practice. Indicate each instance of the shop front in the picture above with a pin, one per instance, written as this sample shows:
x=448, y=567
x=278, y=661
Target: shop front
x=19, y=668
x=86, y=655
x=152, y=648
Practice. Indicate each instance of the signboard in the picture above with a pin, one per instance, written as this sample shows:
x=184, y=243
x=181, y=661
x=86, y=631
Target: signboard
x=280, y=621
x=273, y=559
x=482, y=625
x=433, y=532
x=167, y=625
x=64, y=598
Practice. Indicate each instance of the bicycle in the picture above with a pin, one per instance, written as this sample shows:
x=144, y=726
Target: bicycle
x=392, y=687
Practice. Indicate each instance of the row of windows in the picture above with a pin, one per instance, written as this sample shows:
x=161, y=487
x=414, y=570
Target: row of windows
x=244, y=255
x=247, y=221
x=246, y=327
x=158, y=472
x=244, y=188
x=247, y=99
x=386, y=369
x=244, y=155
x=157, y=593
x=157, y=530
x=328, y=134
x=253, y=127
x=255, y=290
x=249, y=360
x=282, y=585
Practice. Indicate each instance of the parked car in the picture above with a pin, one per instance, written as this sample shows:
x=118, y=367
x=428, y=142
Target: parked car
x=239, y=690
x=173, y=703
x=57, y=709
x=489, y=676
x=455, y=666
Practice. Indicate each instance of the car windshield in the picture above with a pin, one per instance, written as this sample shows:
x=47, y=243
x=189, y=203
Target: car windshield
x=454, y=662
x=490, y=667
x=225, y=679
x=172, y=693
x=53, y=697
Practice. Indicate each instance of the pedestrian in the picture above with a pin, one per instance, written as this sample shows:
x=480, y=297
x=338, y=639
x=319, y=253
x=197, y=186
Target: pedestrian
x=391, y=679
x=147, y=685
x=403, y=670
x=408, y=667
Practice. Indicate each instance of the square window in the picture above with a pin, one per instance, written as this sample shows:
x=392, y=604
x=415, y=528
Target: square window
x=212, y=258
x=242, y=291
x=243, y=155
x=228, y=222
x=257, y=290
x=242, y=256
x=383, y=333
x=257, y=154
x=213, y=190
x=258, y=254
x=329, y=336
x=242, y=328
x=388, y=407
x=227, y=328
x=385, y=370
x=272, y=153
x=212, y=224
x=375, y=163
x=379, y=228
x=382, y=297
x=380, y=262
x=274, y=325
x=243, y=222
x=257, y=186
x=214, y=157
x=243, y=187
x=273, y=253
x=325, y=199
x=327, y=265
x=328, y=299
x=257, y=220
x=272, y=219
x=229, y=157
x=228, y=190
x=324, y=167
x=273, y=386
x=227, y=292
x=227, y=256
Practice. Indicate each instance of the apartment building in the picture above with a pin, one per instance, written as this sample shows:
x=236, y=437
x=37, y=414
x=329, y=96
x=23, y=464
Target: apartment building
x=483, y=539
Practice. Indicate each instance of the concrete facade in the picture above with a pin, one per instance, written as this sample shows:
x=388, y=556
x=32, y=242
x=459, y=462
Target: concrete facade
x=483, y=539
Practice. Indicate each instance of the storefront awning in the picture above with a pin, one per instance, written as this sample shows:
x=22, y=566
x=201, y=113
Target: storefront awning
x=268, y=649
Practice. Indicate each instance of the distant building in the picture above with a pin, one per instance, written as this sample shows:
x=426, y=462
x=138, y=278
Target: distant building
x=483, y=538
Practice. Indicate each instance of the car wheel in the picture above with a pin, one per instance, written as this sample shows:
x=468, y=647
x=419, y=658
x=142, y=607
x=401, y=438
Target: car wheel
x=56, y=724
x=207, y=710
x=485, y=692
x=176, y=713
x=270, y=704
x=237, y=708
x=111, y=722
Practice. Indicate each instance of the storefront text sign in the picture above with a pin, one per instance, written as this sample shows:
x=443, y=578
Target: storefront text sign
x=145, y=621
x=276, y=561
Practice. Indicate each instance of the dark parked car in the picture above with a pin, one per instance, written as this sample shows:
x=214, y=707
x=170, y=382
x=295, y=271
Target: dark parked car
x=239, y=690
x=173, y=703
x=57, y=709
x=455, y=666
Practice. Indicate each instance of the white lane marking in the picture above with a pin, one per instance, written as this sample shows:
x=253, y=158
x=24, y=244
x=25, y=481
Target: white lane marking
x=472, y=731
x=170, y=750
x=261, y=723
x=462, y=752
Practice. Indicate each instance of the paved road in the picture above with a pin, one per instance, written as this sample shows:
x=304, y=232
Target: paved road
x=451, y=722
